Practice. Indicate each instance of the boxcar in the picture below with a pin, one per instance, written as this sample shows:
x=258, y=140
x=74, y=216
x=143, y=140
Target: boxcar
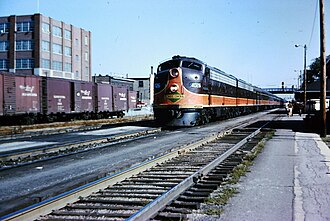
x=8, y=94
x=1, y=94
x=103, y=97
x=27, y=94
x=119, y=98
x=27, y=99
x=56, y=96
x=83, y=97
x=132, y=99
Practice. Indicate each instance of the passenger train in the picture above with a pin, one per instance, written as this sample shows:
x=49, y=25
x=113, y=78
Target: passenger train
x=189, y=92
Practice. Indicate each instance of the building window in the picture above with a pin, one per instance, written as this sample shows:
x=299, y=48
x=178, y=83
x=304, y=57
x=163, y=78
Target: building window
x=57, y=31
x=140, y=83
x=4, y=28
x=67, y=51
x=77, y=74
x=77, y=58
x=45, y=45
x=67, y=34
x=24, y=63
x=57, y=65
x=86, y=40
x=87, y=72
x=77, y=42
x=3, y=64
x=24, y=45
x=68, y=67
x=57, y=49
x=24, y=26
x=45, y=28
x=4, y=45
x=45, y=63
x=86, y=56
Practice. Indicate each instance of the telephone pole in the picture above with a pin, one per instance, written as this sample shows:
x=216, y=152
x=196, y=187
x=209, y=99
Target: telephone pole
x=323, y=132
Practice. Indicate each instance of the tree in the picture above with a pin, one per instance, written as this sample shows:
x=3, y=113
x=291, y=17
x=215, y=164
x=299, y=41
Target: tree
x=315, y=68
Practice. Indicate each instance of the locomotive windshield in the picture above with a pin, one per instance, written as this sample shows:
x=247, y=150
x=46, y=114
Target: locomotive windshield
x=169, y=65
x=176, y=63
x=192, y=65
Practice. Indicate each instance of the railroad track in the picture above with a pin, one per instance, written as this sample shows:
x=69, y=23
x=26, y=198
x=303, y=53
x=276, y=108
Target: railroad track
x=37, y=154
x=161, y=188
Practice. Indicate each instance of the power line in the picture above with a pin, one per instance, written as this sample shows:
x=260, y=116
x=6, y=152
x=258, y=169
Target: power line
x=310, y=39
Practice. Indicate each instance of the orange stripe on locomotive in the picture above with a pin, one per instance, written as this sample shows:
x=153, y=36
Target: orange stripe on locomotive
x=174, y=93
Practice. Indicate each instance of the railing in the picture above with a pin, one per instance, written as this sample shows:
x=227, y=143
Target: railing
x=281, y=90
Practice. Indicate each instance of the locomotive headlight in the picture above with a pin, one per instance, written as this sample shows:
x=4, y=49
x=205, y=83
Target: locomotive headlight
x=174, y=73
x=174, y=88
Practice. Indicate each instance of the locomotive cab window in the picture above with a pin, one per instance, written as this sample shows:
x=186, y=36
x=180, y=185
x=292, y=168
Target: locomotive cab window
x=192, y=65
x=169, y=65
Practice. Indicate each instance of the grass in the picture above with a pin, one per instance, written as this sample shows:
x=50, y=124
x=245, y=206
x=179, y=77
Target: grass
x=227, y=192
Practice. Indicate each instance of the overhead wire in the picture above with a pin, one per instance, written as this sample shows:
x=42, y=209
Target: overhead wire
x=312, y=33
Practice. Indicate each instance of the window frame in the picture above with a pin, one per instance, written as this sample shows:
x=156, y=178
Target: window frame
x=25, y=26
x=45, y=43
x=4, y=46
x=57, y=65
x=47, y=30
x=26, y=63
x=66, y=35
x=4, y=64
x=24, y=45
x=68, y=67
x=45, y=61
x=4, y=27
x=68, y=51
x=57, y=31
x=57, y=46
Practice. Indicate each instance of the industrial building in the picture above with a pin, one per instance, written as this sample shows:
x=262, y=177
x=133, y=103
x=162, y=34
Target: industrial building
x=40, y=45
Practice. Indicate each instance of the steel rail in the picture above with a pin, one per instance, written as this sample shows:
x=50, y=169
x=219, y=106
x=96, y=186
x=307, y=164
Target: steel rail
x=55, y=148
x=45, y=207
x=151, y=209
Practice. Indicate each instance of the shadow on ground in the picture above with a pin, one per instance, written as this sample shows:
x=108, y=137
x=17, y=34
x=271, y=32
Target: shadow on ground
x=310, y=124
x=294, y=125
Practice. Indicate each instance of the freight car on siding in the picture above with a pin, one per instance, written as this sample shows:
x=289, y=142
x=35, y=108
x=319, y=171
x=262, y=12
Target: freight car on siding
x=33, y=99
x=189, y=92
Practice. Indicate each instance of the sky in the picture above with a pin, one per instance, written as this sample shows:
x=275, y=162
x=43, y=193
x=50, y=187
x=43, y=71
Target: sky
x=253, y=40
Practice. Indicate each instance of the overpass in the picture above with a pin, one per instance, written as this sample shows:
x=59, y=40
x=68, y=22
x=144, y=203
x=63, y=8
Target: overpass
x=281, y=90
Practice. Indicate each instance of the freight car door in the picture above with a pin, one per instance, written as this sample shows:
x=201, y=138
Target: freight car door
x=73, y=97
x=1, y=94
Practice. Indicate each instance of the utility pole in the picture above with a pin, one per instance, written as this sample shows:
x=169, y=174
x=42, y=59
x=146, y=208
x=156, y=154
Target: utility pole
x=305, y=76
x=323, y=132
x=305, y=80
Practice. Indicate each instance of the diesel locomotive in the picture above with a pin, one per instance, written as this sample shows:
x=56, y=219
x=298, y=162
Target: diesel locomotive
x=189, y=92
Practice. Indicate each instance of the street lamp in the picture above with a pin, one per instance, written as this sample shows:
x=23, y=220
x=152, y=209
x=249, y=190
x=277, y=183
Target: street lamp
x=305, y=75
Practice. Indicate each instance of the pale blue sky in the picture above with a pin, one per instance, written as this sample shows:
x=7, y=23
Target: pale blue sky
x=251, y=39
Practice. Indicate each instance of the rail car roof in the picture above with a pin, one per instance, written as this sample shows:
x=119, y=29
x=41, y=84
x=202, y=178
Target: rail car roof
x=178, y=57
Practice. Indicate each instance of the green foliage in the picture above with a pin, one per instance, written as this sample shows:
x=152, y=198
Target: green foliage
x=216, y=212
x=223, y=197
x=315, y=69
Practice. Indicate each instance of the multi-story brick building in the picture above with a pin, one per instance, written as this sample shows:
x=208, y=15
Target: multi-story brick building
x=39, y=45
